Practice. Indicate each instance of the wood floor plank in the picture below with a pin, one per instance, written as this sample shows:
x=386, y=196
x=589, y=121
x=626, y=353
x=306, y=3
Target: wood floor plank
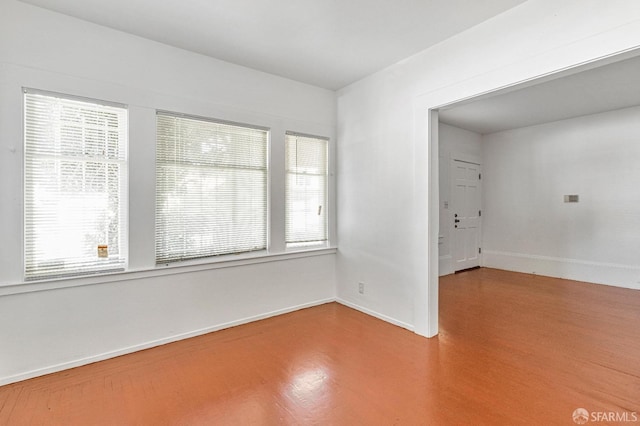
x=513, y=349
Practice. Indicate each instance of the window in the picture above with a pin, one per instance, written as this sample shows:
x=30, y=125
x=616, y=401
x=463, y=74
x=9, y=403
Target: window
x=306, y=190
x=211, y=188
x=75, y=186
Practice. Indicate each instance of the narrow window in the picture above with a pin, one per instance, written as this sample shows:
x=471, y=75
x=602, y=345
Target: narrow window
x=211, y=188
x=306, y=190
x=75, y=186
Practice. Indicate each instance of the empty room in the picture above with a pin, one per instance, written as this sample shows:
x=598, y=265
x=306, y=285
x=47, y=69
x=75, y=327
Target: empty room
x=313, y=212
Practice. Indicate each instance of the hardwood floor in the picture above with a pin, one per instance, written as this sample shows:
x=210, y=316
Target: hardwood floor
x=513, y=349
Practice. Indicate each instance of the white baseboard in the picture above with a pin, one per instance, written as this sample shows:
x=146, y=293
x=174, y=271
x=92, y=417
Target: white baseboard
x=579, y=270
x=101, y=357
x=445, y=265
x=375, y=314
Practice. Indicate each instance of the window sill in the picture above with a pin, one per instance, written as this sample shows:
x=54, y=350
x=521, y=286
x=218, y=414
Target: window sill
x=231, y=261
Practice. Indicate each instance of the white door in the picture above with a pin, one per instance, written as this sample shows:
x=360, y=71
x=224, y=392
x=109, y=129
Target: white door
x=466, y=215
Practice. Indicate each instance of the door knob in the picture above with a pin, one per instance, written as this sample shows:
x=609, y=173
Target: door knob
x=456, y=221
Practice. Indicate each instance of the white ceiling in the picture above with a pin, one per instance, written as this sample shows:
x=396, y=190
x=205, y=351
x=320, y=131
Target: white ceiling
x=326, y=43
x=605, y=88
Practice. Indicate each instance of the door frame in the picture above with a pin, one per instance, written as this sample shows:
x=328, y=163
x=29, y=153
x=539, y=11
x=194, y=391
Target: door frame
x=533, y=70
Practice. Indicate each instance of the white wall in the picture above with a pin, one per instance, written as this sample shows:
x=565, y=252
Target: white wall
x=53, y=325
x=454, y=143
x=388, y=190
x=388, y=184
x=527, y=225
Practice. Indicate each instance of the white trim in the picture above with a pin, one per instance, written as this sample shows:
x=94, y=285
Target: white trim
x=160, y=270
x=210, y=120
x=306, y=135
x=375, y=314
x=182, y=336
x=465, y=158
x=445, y=265
x=613, y=274
x=58, y=95
x=107, y=355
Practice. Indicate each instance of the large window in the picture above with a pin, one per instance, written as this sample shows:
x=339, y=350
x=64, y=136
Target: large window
x=75, y=186
x=211, y=188
x=306, y=190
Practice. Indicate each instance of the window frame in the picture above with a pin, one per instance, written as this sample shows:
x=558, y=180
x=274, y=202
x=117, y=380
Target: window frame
x=213, y=257
x=313, y=244
x=115, y=264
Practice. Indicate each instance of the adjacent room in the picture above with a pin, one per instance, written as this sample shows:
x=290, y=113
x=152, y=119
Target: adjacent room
x=310, y=212
x=540, y=179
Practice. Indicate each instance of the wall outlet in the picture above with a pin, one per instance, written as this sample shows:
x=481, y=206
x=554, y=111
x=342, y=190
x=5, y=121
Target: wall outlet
x=361, y=287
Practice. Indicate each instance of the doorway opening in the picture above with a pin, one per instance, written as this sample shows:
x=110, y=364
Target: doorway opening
x=532, y=143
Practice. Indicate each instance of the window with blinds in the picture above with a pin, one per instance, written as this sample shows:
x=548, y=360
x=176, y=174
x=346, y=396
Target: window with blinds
x=75, y=186
x=211, y=188
x=306, y=190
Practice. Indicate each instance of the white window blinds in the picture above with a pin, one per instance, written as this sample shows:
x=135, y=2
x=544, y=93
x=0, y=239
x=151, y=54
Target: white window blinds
x=75, y=186
x=306, y=190
x=211, y=188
